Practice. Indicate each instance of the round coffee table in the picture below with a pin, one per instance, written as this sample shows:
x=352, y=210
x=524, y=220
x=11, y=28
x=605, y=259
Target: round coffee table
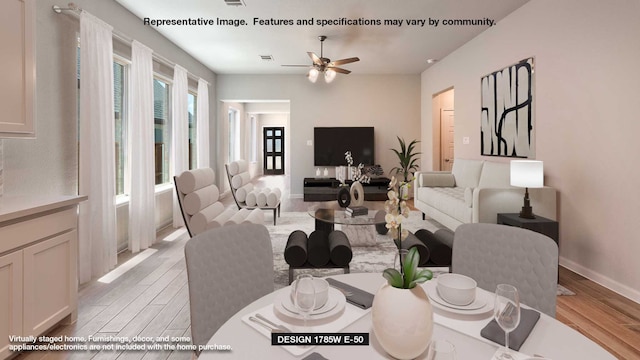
x=328, y=214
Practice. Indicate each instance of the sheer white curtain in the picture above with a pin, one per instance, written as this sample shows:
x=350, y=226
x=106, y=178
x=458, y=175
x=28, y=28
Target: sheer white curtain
x=142, y=229
x=202, y=130
x=180, y=138
x=97, y=224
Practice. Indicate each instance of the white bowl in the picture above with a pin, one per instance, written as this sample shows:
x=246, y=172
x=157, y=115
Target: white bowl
x=321, y=287
x=457, y=289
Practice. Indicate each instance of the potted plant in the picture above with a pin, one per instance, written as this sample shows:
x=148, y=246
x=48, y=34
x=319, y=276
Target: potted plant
x=401, y=314
x=407, y=159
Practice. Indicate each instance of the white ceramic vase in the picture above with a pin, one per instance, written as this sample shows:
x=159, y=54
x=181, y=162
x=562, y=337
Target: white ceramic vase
x=402, y=320
x=357, y=194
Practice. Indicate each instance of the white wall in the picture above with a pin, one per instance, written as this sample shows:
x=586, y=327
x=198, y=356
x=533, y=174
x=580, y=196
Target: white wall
x=586, y=123
x=390, y=103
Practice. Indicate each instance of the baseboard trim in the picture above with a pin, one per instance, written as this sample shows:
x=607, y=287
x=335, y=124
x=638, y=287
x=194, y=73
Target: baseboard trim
x=624, y=290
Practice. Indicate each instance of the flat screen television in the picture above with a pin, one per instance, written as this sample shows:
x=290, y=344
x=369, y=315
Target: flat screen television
x=330, y=144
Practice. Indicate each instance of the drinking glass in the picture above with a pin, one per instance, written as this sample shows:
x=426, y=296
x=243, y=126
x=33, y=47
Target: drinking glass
x=506, y=311
x=304, y=296
x=441, y=350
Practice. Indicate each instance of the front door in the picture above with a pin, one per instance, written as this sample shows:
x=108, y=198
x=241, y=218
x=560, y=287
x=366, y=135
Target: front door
x=273, y=150
x=446, y=139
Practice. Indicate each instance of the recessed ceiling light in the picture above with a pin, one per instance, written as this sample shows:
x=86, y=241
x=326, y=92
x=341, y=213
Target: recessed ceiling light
x=431, y=61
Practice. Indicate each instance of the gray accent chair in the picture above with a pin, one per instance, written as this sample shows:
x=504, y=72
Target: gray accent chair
x=227, y=269
x=494, y=254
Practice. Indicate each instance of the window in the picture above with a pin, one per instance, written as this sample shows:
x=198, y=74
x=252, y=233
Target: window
x=192, y=106
x=253, y=155
x=120, y=113
x=162, y=129
x=120, y=110
x=234, y=135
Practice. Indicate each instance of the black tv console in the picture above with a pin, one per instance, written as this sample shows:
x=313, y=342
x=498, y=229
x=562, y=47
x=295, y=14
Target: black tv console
x=326, y=189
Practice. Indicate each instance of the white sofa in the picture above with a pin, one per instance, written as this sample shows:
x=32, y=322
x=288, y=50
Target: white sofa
x=475, y=191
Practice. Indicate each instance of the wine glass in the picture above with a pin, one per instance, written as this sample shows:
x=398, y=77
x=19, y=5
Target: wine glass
x=441, y=350
x=506, y=311
x=304, y=296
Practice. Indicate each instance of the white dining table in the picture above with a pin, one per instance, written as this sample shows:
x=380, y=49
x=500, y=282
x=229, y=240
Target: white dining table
x=549, y=338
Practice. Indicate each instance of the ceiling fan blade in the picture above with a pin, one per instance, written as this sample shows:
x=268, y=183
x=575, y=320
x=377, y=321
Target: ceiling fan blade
x=339, y=70
x=296, y=65
x=316, y=60
x=344, y=61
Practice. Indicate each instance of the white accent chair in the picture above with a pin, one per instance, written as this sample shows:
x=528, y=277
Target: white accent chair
x=227, y=269
x=244, y=193
x=494, y=254
x=201, y=210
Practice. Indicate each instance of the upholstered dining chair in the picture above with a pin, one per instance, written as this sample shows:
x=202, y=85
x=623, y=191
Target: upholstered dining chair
x=494, y=254
x=227, y=268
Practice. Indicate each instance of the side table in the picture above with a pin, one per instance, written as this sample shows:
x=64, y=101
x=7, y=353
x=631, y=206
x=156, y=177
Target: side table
x=540, y=224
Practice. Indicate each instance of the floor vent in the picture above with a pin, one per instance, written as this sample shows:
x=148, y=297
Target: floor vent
x=266, y=57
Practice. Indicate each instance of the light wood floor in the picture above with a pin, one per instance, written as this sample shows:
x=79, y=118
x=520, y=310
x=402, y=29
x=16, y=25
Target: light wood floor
x=152, y=300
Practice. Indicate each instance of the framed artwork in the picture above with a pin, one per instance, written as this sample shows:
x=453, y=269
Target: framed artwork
x=507, y=116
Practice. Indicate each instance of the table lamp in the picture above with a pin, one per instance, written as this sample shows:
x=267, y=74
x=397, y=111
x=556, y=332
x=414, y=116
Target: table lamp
x=527, y=174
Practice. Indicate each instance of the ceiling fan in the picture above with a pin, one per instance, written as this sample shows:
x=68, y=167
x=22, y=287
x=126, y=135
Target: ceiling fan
x=324, y=65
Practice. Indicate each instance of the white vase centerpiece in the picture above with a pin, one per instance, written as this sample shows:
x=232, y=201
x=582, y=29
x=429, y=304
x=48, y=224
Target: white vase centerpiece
x=401, y=314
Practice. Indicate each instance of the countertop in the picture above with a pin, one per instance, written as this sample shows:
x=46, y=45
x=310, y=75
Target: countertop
x=18, y=206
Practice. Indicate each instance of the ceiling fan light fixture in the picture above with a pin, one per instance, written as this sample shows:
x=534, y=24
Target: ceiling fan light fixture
x=312, y=75
x=329, y=75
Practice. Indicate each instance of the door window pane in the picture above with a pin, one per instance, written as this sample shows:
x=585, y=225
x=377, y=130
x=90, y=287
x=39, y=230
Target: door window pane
x=278, y=162
x=278, y=145
x=278, y=133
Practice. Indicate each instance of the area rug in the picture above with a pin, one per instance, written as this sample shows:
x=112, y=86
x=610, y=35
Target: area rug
x=369, y=259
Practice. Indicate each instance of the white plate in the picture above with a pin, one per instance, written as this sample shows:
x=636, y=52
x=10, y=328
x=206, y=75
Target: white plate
x=482, y=304
x=335, y=304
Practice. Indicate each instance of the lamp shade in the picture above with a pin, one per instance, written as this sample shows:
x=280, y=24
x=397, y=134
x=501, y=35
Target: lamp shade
x=527, y=173
x=313, y=75
x=329, y=75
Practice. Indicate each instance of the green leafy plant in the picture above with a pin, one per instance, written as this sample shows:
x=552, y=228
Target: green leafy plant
x=407, y=158
x=409, y=276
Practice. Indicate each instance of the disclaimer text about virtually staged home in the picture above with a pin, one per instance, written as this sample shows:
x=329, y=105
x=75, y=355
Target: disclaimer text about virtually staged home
x=109, y=343
x=428, y=22
x=93, y=343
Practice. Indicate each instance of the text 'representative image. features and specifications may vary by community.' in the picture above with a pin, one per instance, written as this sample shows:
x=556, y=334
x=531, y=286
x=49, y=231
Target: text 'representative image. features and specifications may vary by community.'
x=343, y=21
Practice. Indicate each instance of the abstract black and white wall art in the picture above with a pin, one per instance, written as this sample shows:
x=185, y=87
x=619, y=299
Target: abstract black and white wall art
x=507, y=112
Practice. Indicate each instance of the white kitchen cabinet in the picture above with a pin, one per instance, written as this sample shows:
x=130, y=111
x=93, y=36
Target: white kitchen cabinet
x=38, y=265
x=10, y=299
x=18, y=70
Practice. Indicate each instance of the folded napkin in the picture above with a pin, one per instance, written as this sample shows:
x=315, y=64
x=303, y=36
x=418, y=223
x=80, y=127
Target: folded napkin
x=359, y=298
x=314, y=356
x=528, y=319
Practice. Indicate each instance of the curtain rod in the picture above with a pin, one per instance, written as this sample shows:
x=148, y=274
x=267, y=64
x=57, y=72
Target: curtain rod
x=75, y=11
